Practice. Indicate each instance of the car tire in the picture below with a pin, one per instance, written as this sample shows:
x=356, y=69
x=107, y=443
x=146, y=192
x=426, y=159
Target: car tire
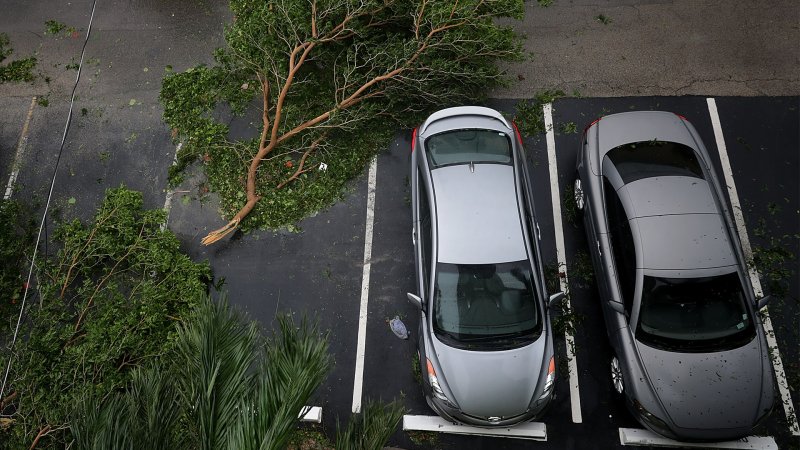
x=579, y=195
x=617, y=379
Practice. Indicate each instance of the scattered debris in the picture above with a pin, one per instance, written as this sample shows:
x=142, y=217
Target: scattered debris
x=398, y=328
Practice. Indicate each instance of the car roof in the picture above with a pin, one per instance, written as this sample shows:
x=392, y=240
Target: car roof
x=678, y=224
x=478, y=217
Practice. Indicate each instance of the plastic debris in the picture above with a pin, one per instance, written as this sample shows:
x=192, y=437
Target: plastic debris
x=398, y=327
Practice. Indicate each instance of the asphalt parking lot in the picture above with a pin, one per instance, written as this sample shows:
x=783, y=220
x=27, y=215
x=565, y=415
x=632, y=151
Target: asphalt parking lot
x=320, y=270
x=120, y=139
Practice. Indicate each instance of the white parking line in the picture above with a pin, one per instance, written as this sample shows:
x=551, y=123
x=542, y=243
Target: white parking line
x=23, y=141
x=574, y=391
x=535, y=431
x=636, y=436
x=311, y=414
x=362, y=315
x=777, y=363
x=170, y=191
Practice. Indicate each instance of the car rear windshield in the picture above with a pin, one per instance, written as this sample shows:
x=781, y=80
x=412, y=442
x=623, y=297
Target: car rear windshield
x=694, y=314
x=465, y=146
x=485, y=306
x=654, y=158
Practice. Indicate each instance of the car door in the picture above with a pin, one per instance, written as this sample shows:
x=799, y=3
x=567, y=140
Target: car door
x=534, y=233
x=592, y=212
x=422, y=233
x=619, y=263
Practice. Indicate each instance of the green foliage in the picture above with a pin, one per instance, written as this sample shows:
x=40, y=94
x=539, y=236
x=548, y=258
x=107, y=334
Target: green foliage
x=220, y=386
x=529, y=117
x=602, y=18
x=772, y=257
x=428, y=439
x=16, y=240
x=312, y=192
x=565, y=319
x=372, y=428
x=54, y=27
x=400, y=60
x=309, y=437
x=109, y=301
x=568, y=206
x=552, y=277
x=18, y=70
x=416, y=370
x=189, y=98
x=581, y=271
x=144, y=417
x=545, y=3
x=568, y=128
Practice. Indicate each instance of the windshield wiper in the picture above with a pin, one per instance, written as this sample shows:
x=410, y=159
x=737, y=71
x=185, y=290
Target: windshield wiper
x=516, y=336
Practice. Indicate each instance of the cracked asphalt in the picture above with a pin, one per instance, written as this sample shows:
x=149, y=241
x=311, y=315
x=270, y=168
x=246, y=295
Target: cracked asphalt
x=659, y=47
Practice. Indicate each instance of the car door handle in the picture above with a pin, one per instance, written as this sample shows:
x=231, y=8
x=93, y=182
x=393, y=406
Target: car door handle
x=599, y=252
x=413, y=236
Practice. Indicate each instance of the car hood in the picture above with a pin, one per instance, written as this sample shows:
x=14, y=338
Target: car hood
x=707, y=390
x=492, y=383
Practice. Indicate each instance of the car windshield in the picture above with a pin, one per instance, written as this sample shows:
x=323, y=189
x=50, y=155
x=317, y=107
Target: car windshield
x=485, y=305
x=694, y=314
x=654, y=158
x=465, y=146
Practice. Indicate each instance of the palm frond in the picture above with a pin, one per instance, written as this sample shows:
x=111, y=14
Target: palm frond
x=102, y=425
x=217, y=349
x=296, y=363
x=371, y=429
x=153, y=401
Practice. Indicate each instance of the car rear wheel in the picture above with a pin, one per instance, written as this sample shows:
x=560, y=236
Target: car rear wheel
x=578, y=193
x=617, y=381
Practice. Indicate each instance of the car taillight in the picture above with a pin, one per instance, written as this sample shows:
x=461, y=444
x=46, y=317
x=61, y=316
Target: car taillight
x=590, y=125
x=681, y=117
x=413, y=140
x=516, y=131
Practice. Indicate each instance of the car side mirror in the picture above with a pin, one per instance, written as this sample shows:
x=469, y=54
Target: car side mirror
x=762, y=302
x=555, y=299
x=415, y=300
x=618, y=307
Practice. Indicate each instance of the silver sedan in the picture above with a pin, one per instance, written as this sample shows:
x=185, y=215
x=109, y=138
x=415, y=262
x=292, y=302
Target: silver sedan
x=485, y=340
x=690, y=357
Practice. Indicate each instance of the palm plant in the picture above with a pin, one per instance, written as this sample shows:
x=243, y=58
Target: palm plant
x=372, y=428
x=221, y=387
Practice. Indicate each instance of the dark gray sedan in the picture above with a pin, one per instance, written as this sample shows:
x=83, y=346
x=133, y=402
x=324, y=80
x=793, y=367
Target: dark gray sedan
x=485, y=340
x=690, y=356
